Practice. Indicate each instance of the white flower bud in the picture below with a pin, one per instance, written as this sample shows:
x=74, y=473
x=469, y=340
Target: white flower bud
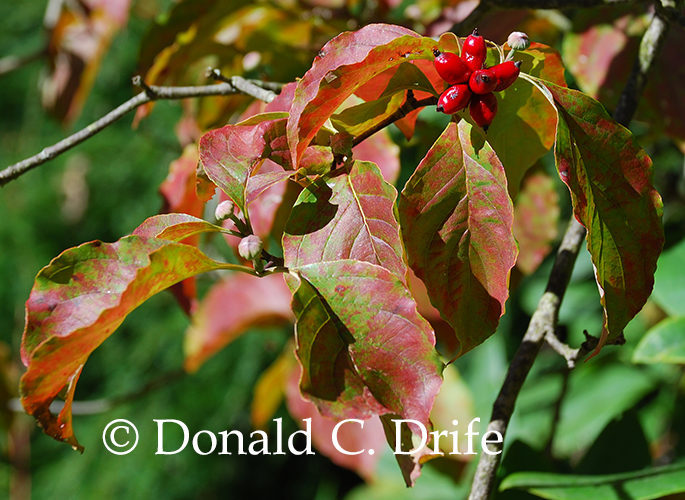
x=224, y=210
x=250, y=247
x=518, y=40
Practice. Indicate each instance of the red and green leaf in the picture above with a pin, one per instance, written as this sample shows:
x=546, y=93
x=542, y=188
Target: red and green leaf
x=343, y=65
x=82, y=297
x=610, y=179
x=346, y=216
x=456, y=219
x=363, y=347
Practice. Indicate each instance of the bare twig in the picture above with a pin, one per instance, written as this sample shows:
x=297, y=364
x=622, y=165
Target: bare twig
x=244, y=86
x=12, y=63
x=545, y=317
x=151, y=93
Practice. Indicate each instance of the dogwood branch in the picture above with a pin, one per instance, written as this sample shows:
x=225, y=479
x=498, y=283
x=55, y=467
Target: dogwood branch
x=150, y=93
x=544, y=320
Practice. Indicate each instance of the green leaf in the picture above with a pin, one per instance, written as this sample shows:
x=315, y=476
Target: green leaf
x=669, y=291
x=356, y=119
x=346, y=216
x=362, y=345
x=79, y=300
x=456, y=219
x=647, y=484
x=610, y=179
x=664, y=343
x=344, y=64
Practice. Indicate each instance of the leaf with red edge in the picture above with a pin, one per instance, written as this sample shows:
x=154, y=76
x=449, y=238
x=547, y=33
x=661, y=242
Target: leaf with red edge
x=346, y=63
x=175, y=227
x=536, y=215
x=79, y=300
x=363, y=347
x=610, y=179
x=346, y=216
x=456, y=219
x=232, y=306
x=230, y=154
x=351, y=436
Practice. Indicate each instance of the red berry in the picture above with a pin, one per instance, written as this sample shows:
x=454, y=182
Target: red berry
x=482, y=81
x=506, y=74
x=451, y=67
x=483, y=109
x=454, y=99
x=474, y=51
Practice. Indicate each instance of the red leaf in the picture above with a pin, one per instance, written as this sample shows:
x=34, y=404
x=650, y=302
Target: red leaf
x=79, y=300
x=380, y=149
x=344, y=64
x=610, y=179
x=536, y=215
x=231, y=307
x=230, y=154
x=456, y=219
x=351, y=436
x=349, y=216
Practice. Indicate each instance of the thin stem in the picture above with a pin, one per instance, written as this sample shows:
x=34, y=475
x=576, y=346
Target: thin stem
x=150, y=93
x=544, y=319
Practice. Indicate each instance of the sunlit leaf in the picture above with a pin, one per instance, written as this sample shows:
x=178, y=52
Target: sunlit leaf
x=343, y=65
x=230, y=308
x=174, y=227
x=79, y=300
x=610, y=179
x=230, y=154
x=456, y=219
x=346, y=216
x=646, y=484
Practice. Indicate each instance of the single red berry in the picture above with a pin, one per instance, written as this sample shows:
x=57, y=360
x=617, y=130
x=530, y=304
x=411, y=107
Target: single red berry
x=506, y=74
x=482, y=81
x=483, y=109
x=454, y=99
x=451, y=67
x=474, y=51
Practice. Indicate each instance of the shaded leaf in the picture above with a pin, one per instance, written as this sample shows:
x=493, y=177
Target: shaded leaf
x=270, y=388
x=344, y=64
x=347, y=216
x=456, y=219
x=230, y=308
x=382, y=151
x=79, y=300
x=664, y=343
x=536, y=215
x=363, y=347
x=668, y=284
x=646, y=484
x=610, y=179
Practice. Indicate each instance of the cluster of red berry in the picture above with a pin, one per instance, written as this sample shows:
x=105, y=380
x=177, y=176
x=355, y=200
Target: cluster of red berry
x=472, y=84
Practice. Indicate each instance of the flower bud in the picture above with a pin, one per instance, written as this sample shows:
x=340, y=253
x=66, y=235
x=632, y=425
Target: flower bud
x=250, y=247
x=224, y=210
x=518, y=40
